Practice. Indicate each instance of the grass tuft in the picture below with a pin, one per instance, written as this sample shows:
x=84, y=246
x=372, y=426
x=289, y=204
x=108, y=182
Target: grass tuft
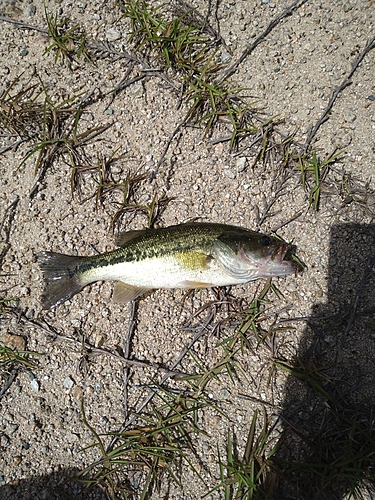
x=250, y=477
x=313, y=172
x=194, y=57
x=66, y=41
x=9, y=357
x=32, y=116
x=140, y=456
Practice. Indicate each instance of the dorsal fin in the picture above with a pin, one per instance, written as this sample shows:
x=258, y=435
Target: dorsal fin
x=125, y=236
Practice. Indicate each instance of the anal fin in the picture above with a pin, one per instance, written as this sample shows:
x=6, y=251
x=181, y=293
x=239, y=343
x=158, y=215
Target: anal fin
x=123, y=292
x=195, y=284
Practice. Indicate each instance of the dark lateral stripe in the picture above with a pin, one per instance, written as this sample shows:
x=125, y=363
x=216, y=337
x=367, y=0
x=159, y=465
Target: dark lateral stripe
x=145, y=248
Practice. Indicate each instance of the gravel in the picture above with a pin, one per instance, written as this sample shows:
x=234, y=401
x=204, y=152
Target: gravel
x=291, y=76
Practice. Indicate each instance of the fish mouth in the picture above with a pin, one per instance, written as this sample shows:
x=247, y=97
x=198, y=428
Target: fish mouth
x=284, y=256
x=281, y=253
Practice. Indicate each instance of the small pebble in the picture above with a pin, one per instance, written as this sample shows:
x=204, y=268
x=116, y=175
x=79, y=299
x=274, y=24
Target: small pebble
x=136, y=89
x=35, y=385
x=68, y=383
x=224, y=57
x=17, y=460
x=30, y=10
x=241, y=164
x=13, y=341
x=112, y=35
x=350, y=117
x=229, y=173
x=24, y=52
x=72, y=437
x=77, y=392
x=11, y=428
x=4, y=440
x=224, y=394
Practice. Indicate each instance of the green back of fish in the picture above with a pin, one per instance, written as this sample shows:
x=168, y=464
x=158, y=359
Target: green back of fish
x=156, y=243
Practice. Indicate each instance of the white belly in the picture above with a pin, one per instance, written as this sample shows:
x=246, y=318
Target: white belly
x=165, y=272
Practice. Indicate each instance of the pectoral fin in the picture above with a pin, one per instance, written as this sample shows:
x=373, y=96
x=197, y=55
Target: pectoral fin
x=124, y=293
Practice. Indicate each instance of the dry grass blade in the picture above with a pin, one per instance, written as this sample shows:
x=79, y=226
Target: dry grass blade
x=90, y=351
x=345, y=83
x=157, y=445
x=313, y=171
x=5, y=227
x=52, y=128
x=9, y=356
x=287, y=12
x=250, y=477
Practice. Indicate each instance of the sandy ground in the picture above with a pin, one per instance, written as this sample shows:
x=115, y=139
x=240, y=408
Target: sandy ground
x=291, y=74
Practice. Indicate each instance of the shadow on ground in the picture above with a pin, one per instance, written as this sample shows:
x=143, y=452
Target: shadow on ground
x=60, y=485
x=328, y=445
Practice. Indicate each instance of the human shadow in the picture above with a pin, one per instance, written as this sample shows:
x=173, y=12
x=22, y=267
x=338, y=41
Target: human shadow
x=327, y=448
x=61, y=485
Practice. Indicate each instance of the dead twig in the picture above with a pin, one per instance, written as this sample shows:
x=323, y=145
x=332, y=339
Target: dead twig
x=192, y=14
x=97, y=351
x=129, y=335
x=22, y=25
x=345, y=83
x=5, y=226
x=278, y=191
x=167, y=146
x=287, y=12
x=165, y=377
x=286, y=223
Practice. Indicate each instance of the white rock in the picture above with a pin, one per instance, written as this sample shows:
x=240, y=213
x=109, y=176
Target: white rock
x=68, y=383
x=35, y=385
x=112, y=35
x=241, y=164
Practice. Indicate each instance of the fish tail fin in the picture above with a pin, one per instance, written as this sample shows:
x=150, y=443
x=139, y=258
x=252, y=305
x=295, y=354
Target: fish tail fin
x=60, y=277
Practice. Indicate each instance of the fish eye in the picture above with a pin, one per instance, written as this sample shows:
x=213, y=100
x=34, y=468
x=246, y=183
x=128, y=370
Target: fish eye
x=265, y=241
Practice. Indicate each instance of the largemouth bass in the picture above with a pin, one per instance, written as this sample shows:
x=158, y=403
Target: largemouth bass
x=193, y=255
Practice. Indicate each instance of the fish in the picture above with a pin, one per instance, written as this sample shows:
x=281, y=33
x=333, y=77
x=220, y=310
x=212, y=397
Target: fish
x=185, y=256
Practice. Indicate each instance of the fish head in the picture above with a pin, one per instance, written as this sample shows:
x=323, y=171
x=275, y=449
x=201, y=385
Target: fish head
x=250, y=255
